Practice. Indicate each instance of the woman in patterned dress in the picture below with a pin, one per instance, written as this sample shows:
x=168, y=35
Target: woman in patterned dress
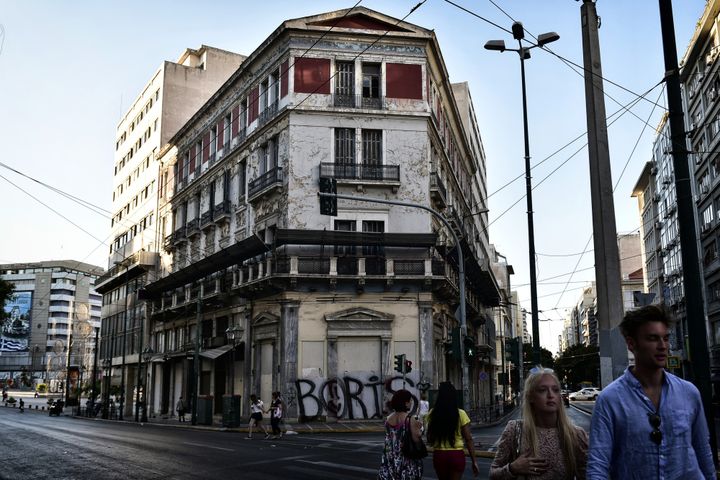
x=395, y=466
x=545, y=444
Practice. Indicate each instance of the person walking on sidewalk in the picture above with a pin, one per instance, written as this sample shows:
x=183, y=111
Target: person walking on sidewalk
x=649, y=423
x=181, y=408
x=448, y=427
x=545, y=444
x=394, y=464
x=277, y=409
x=256, y=416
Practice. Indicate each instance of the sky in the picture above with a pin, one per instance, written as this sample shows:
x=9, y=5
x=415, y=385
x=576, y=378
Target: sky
x=68, y=70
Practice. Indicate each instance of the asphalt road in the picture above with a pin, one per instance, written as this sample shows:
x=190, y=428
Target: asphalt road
x=38, y=447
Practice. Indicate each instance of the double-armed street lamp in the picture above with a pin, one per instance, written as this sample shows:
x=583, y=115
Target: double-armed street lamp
x=524, y=52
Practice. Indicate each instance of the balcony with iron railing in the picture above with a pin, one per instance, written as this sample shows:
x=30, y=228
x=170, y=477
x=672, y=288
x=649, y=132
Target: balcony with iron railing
x=437, y=189
x=206, y=219
x=358, y=101
x=363, y=172
x=193, y=227
x=271, y=178
x=268, y=113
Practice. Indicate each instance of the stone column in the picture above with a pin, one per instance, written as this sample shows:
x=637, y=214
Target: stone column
x=425, y=334
x=288, y=351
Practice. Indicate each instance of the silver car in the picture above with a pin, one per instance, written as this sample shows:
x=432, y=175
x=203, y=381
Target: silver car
x=589, y=393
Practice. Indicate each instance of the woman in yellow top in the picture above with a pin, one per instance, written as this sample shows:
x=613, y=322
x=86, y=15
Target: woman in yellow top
x=448, y=428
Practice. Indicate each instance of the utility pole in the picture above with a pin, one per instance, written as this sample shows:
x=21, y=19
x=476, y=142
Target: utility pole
x=697, y=333
x=196, y=362
x=613, y=353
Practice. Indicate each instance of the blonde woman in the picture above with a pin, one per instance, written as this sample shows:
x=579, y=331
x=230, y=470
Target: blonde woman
x=545, y=444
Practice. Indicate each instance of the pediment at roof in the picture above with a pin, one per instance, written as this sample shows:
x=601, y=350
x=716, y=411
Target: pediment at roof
x=359, y=18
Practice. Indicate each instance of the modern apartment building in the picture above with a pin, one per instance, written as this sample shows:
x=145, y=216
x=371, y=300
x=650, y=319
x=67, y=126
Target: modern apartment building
x=258, y=292
x=54, y=318
x=174, y=93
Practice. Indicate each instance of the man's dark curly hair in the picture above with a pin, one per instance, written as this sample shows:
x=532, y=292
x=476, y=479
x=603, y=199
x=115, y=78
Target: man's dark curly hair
x=650, y=313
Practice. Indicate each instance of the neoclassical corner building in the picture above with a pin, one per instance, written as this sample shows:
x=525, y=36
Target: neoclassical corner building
x=319, y=305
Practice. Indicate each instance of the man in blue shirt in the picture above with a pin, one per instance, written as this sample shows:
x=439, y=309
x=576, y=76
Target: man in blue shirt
x=649, y=424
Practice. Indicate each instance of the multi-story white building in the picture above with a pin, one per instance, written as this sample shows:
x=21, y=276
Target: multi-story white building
x=54, y=313
x=173, y=94
x=319, y=305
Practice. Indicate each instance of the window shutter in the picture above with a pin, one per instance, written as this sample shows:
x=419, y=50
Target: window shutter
x=192, y=159
x=235, y=120
x=253, y=104
x=404, y=81
x=206, y=147
x=220, y=134
x=312, y=75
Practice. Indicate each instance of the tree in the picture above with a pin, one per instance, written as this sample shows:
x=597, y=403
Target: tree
x=6, y=292
x=546, y=357
x=579, y=363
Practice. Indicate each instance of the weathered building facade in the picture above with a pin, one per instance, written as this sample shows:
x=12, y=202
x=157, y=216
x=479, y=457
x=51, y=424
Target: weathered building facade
x=174, y=93
x=318, y=306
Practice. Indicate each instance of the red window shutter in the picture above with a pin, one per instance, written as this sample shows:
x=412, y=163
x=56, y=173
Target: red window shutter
x=284, y=67
x=403, y=81
x=312, y=75
x=221, y=133
x=253, y=106
x=192, y=160
x=206, y=147
x=181, y=167
x=235, y=119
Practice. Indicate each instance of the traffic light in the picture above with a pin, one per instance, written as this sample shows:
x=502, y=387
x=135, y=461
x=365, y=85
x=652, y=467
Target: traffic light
x=408, y=366
x=469, y=343
x=400, y=363
x=455, y=344
x=328, y=205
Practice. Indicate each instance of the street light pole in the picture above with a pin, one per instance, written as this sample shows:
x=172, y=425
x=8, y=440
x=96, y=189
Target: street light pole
x=524, y=53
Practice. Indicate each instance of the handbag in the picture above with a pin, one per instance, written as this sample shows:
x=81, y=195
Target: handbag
x=411, y=449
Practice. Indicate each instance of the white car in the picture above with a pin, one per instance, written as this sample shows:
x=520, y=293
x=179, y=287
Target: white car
x=589, y=393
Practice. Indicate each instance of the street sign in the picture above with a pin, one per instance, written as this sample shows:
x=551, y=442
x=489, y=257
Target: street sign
x=673, y=362
x=483, y=376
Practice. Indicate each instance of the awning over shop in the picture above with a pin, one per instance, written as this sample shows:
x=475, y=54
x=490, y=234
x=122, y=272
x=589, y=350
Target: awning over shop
x=231, y=255
x=214, y=353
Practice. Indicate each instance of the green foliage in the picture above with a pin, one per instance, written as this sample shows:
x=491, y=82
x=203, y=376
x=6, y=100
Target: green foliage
x=41, y=388
x=546, y=357
x=6, y=291
x=11, y=400
x=579, y=363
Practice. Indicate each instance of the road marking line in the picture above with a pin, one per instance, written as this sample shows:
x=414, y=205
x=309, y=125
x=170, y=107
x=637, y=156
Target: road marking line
x=209, y=446
x=341, y=466
x=274, y=460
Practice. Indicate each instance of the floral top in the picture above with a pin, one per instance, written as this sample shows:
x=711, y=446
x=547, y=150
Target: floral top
x=394, y=465
x=549, y=448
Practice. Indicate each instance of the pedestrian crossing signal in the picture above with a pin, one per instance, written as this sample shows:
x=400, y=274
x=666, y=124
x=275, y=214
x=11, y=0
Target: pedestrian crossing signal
x=400, y=363
x=408, y=366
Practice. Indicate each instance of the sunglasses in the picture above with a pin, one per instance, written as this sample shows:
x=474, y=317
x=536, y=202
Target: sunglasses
x=656, y=434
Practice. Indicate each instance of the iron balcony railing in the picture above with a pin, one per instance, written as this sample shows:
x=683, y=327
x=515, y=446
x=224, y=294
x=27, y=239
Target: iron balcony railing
x=268, y=113
x=358, y=101
x=271, y=177
x=222, y=210
x=193, y=227
x=437, y=184
x=352, y=171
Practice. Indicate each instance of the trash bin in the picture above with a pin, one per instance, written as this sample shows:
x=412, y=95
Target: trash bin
x=231, y=411
x=205, y=410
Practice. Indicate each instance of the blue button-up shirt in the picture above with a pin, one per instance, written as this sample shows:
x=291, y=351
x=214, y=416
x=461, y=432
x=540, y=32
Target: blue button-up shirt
x=620, y=444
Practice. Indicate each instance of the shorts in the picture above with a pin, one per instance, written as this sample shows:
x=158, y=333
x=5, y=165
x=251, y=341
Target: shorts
x=447, y=462
x=257, y=416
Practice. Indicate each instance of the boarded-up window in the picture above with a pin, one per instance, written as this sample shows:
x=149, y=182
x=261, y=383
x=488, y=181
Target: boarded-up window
x=284, y=67
x=312, y=75
x=345, y=146
x=235, y=118
x=403, y=81
x=206, y=147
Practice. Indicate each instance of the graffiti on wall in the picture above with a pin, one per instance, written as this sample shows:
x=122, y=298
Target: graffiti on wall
x=356, y=395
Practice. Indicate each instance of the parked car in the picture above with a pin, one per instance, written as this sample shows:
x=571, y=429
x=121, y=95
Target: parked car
x=589, y=393
x=564, y=394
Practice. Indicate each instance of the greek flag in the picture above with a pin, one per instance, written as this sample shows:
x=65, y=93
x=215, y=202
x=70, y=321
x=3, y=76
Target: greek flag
x=7, y=345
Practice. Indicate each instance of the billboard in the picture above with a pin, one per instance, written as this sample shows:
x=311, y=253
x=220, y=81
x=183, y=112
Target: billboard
x=15, y=329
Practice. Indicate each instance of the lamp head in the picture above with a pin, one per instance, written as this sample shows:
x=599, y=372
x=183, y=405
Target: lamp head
x=498, y=45
x=518, y=31
x=545, y=38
